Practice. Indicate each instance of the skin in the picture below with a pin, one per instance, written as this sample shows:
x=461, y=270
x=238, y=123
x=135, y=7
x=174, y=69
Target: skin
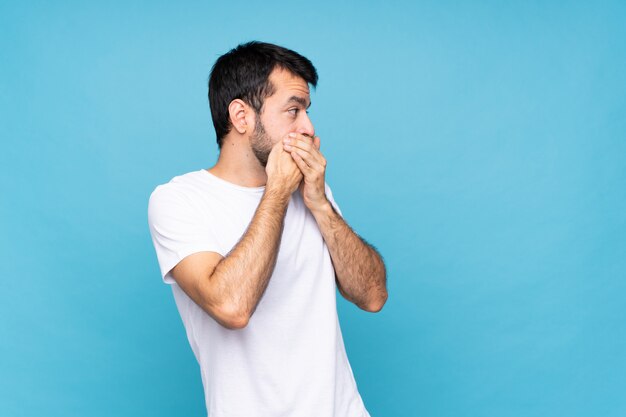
x=278, y=149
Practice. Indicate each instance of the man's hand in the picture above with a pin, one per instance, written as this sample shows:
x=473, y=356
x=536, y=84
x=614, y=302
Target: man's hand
x=283, y=174
x=305, y=151
x=359, y=269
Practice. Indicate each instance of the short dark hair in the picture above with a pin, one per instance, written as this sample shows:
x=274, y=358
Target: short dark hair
x=243, y=73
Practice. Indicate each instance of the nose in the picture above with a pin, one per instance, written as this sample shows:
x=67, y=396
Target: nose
x=306, y=126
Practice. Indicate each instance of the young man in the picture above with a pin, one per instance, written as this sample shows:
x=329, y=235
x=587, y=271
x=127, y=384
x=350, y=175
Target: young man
x=255, y=248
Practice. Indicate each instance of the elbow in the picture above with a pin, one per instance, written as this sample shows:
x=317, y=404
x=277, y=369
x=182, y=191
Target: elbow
x=376, y=305
x=232, y=318
x=237, y=323
x=379, y=295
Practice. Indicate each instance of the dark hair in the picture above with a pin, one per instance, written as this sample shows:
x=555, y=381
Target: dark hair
x=243, y=73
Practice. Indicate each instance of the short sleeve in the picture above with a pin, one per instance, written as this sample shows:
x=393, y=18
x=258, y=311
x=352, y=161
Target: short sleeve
x=177, y=229
x=329, y=195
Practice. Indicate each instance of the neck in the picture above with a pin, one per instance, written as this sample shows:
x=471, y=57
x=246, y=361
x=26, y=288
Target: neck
x=237, y=164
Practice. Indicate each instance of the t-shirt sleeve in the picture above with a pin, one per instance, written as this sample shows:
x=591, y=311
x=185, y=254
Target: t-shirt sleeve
x=177, y=229
x=329, y=195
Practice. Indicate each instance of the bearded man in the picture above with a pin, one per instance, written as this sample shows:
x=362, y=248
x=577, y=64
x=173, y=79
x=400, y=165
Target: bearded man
x=255, y=249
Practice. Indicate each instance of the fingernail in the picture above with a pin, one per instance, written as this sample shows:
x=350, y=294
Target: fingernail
x=292, y=135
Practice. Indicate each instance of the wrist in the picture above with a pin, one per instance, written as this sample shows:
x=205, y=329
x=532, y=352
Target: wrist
x=277, y=193
x=323, y=209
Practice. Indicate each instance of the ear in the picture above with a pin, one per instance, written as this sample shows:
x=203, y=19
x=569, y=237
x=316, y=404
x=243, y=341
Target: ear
x=238, y=111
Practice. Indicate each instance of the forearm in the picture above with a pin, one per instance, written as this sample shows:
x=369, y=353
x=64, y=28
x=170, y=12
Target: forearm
x=240, y=279
x=360, y=270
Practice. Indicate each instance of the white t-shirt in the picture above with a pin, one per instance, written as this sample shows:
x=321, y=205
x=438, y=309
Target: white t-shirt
x=290, y=359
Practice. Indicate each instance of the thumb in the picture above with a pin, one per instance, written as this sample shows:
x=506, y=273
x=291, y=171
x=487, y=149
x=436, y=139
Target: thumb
x=316, y=142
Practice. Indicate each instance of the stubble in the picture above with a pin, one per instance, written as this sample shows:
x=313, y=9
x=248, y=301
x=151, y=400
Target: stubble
x=260, y=142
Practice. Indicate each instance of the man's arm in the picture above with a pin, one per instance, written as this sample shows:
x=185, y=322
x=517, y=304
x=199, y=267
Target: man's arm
x=229, y=288
x=359, y=269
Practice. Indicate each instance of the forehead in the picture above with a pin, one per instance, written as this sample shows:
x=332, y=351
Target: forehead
x=287, y=84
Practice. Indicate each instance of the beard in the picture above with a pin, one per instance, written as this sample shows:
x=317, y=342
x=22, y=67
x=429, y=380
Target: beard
x=260, y=142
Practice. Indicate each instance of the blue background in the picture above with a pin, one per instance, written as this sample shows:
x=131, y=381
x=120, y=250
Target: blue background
x=480, y=147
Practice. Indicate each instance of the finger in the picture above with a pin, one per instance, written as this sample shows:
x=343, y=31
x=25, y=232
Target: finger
x=302, y=142
x=312, y=149
x=310, y=160
x=301, y=163
x=310, y=145
x=314, y=157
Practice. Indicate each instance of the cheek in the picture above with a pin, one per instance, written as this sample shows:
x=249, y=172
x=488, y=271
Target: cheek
x=281, y=125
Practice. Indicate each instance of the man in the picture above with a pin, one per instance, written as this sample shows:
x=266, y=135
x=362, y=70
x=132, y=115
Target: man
x=255, y=248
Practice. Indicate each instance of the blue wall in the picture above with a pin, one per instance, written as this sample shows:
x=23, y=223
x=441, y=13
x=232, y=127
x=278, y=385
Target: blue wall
x=480, y=147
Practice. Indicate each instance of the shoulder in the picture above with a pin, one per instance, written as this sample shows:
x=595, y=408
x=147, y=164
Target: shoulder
x=181, y=190
x=180, y=185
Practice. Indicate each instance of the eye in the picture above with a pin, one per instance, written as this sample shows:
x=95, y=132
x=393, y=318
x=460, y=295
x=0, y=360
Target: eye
x=294, y=111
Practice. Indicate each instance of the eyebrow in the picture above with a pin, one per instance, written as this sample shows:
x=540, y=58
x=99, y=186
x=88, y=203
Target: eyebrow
x=299, y=100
